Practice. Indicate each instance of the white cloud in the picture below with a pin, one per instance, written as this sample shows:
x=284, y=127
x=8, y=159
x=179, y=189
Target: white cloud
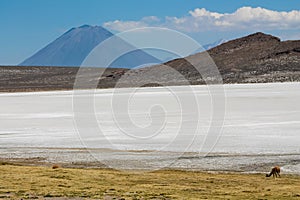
x=127, y=25
x=124, y=25
x=150, y=19
x=202, y=12
x=200, y=19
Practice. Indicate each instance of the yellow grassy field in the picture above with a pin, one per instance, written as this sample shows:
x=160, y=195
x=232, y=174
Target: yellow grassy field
x=40, y=182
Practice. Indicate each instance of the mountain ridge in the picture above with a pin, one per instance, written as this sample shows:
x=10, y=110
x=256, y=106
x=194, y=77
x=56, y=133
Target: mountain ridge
x=254, y=58
x=257, y=58
x=72, y=47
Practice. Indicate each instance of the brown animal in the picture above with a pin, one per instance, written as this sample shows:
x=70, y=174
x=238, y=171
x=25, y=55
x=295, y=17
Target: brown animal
x=275, y=171
x=55, y=166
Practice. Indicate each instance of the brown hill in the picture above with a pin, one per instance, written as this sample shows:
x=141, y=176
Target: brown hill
x=258, y=58
x=254, y=58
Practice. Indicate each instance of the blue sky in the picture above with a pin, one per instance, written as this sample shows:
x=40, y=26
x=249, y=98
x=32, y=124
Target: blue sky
x=29, y=25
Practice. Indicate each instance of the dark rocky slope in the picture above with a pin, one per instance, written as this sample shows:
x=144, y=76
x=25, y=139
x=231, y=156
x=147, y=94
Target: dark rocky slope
x=258, y=58
x=255, y=58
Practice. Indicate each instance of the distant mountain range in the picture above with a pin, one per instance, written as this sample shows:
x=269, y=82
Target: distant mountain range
x=74, y=46
x=255, y=58
x=214, y=44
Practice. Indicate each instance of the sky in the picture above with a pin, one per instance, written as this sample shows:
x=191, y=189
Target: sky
x=29, y=25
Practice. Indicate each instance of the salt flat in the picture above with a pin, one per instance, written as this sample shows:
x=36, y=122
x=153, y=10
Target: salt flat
x=152, y=127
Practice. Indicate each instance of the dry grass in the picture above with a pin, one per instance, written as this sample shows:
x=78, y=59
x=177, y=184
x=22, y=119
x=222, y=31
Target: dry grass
x=33, y=182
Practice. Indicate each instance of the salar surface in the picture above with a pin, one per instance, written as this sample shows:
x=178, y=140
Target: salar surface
x=261, y=123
